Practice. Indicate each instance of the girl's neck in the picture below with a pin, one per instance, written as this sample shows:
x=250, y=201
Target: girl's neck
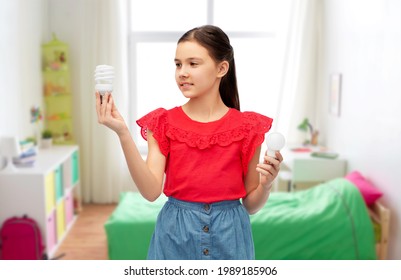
x=204, y=111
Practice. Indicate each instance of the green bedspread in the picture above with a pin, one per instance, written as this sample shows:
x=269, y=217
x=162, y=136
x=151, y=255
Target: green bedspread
x=329, y=221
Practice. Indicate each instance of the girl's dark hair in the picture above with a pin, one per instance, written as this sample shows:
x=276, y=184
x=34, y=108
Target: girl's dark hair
x=218, y=45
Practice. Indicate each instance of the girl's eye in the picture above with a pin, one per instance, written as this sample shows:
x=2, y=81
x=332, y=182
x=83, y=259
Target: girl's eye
x=178, y=65
x=194, y=64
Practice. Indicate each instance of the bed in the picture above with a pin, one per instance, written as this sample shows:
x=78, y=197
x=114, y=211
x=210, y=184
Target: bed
x=328, y=221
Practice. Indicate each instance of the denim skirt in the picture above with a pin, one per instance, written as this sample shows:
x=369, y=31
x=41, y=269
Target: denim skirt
x=200, y=231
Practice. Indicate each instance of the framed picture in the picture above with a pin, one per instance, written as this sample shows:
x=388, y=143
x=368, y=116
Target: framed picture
x=335, y=94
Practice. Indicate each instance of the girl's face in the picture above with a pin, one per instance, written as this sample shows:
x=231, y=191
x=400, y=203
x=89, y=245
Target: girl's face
x=196, y=74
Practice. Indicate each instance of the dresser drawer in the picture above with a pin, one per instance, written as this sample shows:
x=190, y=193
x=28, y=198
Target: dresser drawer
x=51, y=234
x=60, y=213
x=69, y=207
x=75, y=167
x=50, y=197
x=59, y=183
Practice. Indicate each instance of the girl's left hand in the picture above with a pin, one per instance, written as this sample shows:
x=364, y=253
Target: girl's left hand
x=269, y=169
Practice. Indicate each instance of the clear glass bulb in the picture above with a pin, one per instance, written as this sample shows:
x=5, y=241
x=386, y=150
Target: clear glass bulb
x=275, y=142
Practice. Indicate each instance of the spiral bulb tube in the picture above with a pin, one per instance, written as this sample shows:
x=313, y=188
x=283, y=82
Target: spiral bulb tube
x=104, y=75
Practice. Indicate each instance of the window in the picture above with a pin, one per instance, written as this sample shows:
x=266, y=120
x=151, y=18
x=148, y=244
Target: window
x=257, y=31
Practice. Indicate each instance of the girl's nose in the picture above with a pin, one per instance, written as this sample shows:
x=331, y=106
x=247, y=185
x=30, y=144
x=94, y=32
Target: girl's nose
x=183, y=73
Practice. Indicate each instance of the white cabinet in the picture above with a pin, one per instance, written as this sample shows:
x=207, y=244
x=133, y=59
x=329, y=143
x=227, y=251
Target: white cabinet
x=303, y=167
x=48, y=192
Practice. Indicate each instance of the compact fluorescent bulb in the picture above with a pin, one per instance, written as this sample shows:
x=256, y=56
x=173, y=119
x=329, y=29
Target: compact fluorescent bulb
x=104, y=75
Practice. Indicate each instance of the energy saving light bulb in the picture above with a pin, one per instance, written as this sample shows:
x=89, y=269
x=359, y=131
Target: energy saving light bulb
x=104, y=75
x=275, y=142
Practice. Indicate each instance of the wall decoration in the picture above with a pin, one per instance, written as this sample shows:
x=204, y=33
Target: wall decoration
x=57, y=91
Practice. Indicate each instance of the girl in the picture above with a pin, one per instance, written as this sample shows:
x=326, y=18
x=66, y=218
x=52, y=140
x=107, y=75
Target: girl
x=208, y=151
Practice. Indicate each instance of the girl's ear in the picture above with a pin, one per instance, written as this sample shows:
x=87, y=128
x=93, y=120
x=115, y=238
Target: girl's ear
x=223, y=68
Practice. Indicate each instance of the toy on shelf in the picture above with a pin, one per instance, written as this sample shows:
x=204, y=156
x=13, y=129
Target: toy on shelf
x=55, y=55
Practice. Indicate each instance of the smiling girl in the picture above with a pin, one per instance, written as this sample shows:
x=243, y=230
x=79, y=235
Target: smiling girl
x=203, y=155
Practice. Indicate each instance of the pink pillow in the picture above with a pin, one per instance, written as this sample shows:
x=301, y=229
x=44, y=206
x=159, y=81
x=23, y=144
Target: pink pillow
x=369, y=192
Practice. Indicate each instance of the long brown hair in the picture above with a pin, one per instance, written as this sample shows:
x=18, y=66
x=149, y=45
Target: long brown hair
x=218, y=45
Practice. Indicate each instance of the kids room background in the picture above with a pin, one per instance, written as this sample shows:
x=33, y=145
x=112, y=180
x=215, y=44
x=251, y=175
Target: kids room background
x=360, y=40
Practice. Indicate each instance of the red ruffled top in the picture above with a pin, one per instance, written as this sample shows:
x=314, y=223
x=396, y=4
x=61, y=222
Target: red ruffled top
x=206, y=162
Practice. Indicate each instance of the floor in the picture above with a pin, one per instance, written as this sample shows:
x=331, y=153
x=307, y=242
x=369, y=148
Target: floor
x=86, y=239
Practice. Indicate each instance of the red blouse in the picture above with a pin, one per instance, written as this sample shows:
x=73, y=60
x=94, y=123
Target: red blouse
x=206, y=162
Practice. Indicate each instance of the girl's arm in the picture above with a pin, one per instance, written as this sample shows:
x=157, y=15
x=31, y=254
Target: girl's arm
x=148, y=176
x=259, y=180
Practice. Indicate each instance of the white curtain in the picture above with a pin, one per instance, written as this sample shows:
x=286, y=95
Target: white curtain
x=299, y=80
x=103, y=41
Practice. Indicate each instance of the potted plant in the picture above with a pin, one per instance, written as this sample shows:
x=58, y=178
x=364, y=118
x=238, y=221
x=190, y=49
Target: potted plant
x=47, y=139
x=305, y=125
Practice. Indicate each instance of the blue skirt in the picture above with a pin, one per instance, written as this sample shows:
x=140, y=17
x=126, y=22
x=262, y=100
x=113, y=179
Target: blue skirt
x=199, y=231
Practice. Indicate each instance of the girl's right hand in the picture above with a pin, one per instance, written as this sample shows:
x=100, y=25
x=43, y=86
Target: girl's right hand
x=108, y=115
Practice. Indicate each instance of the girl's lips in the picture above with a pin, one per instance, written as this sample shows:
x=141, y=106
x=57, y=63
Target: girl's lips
x=185, y=85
